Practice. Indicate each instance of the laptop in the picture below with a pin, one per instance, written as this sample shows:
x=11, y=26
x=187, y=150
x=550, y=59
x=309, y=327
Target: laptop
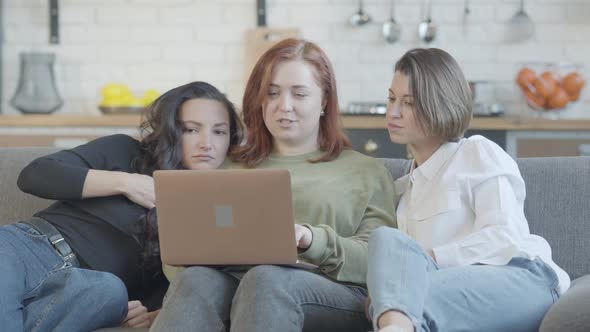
x=226, y=217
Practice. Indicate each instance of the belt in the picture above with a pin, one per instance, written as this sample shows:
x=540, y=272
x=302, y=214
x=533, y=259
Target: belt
x=55, y=238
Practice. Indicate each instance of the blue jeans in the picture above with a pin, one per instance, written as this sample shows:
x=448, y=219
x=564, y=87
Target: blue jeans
x=39, y=292
x=267, y=298
x=403, y=277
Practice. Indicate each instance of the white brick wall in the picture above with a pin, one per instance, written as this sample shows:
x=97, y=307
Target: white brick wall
x=163, y=43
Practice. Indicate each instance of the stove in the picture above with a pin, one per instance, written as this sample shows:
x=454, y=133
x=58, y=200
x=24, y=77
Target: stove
x=365, y=108
x=480, y=108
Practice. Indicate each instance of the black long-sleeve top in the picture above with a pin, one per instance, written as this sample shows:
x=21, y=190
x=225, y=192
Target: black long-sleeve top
x=100, y=230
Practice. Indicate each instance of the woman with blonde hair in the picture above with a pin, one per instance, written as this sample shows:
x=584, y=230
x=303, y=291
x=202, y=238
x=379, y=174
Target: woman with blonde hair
x=463, y=258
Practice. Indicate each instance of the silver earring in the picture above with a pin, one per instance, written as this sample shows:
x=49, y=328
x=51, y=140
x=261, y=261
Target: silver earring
x=322, y=113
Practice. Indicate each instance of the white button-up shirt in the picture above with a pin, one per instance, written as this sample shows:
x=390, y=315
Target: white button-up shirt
x=466, y=204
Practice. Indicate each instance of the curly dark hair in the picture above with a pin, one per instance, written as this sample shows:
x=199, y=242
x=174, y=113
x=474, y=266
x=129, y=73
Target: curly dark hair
x=162, y=129
x=161, y=149
x=147, y=235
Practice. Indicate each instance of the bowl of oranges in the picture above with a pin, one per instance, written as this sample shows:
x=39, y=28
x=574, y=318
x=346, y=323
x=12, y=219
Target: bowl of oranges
x=550, y=87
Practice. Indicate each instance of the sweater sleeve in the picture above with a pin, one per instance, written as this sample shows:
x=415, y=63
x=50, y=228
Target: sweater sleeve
x=171, y=271
x=345, y=258
x=61, y=175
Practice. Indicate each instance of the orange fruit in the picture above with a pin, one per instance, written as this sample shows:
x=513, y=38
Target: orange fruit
x=525, y=77
x=575, y=96
x=533, y=99
x=558, y=100
x=550, y=76
x=544, y=87
x=572, y=84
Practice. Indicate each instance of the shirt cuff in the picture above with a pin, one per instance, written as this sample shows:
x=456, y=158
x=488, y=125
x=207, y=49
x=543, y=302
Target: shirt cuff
x=319, y=241
x=447, y=255
x=171, y=271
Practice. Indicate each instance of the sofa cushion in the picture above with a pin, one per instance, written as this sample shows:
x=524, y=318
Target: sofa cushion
x=556, y=207
x=397, y=167
x=14, y=204
x=572, y=311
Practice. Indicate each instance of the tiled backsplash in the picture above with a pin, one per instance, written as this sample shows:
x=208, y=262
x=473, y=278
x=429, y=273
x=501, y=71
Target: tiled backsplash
x=164, y=43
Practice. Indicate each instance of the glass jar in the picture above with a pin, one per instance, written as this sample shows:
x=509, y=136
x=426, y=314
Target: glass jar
x=36, y=91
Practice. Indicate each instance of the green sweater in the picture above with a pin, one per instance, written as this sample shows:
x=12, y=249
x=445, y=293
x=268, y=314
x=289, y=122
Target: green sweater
x=342, y=202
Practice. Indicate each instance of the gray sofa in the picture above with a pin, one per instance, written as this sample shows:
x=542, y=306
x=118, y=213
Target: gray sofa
x=557, y=207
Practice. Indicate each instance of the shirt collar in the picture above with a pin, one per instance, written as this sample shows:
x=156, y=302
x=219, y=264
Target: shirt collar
x=432, y=165
x=401, y=185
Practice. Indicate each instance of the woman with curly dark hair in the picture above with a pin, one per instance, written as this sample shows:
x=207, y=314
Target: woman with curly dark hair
x=74, y=265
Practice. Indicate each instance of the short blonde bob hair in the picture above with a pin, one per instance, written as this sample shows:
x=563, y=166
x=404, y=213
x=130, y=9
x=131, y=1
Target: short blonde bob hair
x=441, y=95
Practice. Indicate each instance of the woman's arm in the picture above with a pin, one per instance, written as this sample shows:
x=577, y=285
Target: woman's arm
x=63, y=175
x=345, y=258
x=499, y=224
x=138, y=188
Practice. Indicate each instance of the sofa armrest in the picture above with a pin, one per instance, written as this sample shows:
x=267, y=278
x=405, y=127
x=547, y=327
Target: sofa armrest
x=572, y=311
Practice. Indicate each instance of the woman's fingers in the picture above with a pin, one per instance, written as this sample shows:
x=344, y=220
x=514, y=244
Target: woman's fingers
x=367, y=305
x=137, y=315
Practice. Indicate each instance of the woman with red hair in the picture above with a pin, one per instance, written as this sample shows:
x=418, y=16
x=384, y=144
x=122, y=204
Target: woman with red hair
x=340, y=196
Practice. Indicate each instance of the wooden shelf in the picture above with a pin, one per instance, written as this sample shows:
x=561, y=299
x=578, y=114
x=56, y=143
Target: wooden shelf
x=127, y=120
x=499, y=123
x=349, y=121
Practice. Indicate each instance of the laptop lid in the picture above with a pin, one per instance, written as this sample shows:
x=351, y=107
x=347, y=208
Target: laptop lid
x=225, y=217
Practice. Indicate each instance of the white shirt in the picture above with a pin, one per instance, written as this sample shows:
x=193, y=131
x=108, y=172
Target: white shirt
x=466, y=204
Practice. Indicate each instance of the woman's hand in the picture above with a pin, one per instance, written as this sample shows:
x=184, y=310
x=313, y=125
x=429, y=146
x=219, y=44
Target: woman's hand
x=152, y=315
x=303, y=236
x=367, y=305
x=139, y=189
x=137, y=316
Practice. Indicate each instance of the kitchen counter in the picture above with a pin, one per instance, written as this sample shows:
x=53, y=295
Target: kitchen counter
x=484, y=123
x=127, y=120
x=519, y=137
x=349, y=121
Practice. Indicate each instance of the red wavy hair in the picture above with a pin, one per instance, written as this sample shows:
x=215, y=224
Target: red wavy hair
x=331, y=138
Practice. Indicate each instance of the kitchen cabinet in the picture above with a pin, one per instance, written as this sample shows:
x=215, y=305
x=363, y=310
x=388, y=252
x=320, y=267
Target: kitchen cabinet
x=552, y=147
x=519, y=137
x=376, y=142
x=548, y=143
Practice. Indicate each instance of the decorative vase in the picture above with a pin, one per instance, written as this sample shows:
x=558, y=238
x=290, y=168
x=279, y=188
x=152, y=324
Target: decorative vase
x=36, y=92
